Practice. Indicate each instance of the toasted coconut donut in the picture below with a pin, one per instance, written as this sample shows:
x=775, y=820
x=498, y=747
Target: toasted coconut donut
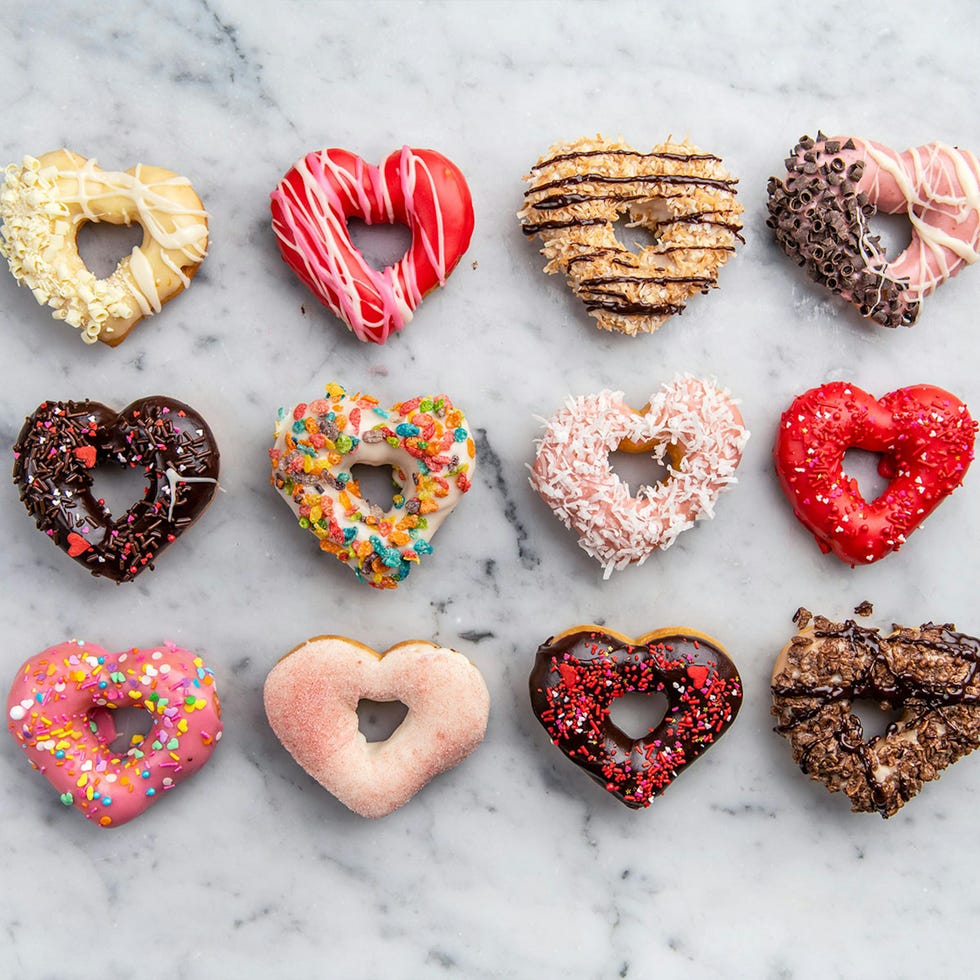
x=43, y=204
x=930, y=672
x=683, y=196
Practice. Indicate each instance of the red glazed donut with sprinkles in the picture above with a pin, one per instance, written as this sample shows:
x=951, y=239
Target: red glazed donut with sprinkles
x=425, y=440
x=418, y=188
x=61, y=706
x=834, y=185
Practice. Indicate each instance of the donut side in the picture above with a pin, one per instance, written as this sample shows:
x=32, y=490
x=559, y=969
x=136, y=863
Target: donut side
x=820, y=218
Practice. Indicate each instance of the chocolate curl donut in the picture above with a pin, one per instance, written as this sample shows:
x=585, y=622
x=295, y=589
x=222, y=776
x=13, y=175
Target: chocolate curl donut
x=820, y=214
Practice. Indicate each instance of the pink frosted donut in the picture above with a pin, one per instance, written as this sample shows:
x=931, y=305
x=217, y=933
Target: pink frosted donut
x=420, y=189
x=311, y=699
x=695, y=425
x=61, y=708
x=834, y=185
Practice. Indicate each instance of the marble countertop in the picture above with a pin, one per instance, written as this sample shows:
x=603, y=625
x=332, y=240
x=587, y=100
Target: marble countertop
x=513, y=864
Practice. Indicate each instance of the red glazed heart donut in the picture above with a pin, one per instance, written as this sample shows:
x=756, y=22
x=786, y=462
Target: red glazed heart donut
x=925, y=437
x=835, y=184
x=418, y=188
x=60, y=709
x=579, y=673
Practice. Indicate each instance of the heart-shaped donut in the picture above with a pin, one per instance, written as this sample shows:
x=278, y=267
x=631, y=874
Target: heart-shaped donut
x=414, y=187
x=43, y=204
x=578, y=674
x=695, y=425
x=427, y=443
x=311, y=699
x=925, y=437
x=930, y=673
x=61, y=444
x=681, y=195
x=61, y=710
x=835, y=185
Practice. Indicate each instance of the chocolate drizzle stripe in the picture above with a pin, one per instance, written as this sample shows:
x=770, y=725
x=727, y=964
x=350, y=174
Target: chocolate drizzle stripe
x=672, y=179
x=661, y=155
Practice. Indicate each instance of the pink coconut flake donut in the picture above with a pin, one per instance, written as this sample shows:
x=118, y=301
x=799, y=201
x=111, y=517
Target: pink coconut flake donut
x=690, y=425
x=834, y=185
x=311, y=699
x=419, y=188
x=61, y=706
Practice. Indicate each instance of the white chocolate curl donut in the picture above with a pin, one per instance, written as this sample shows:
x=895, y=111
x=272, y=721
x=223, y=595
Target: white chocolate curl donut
x=836, y=184
x=44, y=202
x=311, y=699
x=695, y=425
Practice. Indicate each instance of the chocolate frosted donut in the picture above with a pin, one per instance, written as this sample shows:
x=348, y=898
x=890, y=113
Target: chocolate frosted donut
x=929, y=672
x=62, y=442
x=579, y=673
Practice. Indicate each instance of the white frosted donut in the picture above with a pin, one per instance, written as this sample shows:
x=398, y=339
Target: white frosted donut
x=695, y=425
x=43, y=204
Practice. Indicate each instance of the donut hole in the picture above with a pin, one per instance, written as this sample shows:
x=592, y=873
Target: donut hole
x=117, y=488
x=638, y=713
x=639, y=229
x=375, y=485
x=862, y=466
x=875, y=716
x=127, y=723
x=638, y=470
x=377, y=721
x=894, y=232
x=380, y=245
x=103, y=245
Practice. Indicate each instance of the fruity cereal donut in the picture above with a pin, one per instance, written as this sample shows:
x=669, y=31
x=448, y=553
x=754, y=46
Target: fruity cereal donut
x=418, y=188
x=929, y=673
x=579, y=673
x=690, y=425
x=43, y=204
x=835, y=185
x=683, y=196
x=427, y=443
x=61, y=706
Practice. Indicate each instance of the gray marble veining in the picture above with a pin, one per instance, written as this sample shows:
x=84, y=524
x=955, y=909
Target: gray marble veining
x=513, y=864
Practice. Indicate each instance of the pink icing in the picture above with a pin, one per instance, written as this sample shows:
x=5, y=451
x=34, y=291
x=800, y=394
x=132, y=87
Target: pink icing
x=311, y=699
x=60, y=709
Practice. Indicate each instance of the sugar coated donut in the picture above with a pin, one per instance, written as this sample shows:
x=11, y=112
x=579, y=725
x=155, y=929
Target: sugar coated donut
x=835, y=185
x=44, y=202
x=311, y=699
x=924, y=436
x=683, y=196
x=62, y=443
x=428, y=445
x=61, y=709
x=579, y=673
x=690, y=425
x=417, y=188
x=930, y=673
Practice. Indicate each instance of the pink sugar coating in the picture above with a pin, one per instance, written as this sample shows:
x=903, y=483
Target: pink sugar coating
x=311, y=699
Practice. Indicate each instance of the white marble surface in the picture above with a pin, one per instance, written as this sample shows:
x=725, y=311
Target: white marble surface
x=514, y=864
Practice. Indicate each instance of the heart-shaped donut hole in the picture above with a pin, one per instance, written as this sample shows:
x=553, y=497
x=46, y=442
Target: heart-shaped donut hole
x=102, y=245
x=117, y=487
x=121, y=729
x=637, y=714
x=382, y=245
x=318, y=696
x=375, y=485
x=865, y=467
x=638, y=469
x=581, y=676
x=923, y=684
x=923, y=436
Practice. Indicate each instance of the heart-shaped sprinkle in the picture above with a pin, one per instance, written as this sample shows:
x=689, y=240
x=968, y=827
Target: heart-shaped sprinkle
x=930, y=673
x=425, y=440
x=834, y=187
x=690, y=425
x=418, y=188
x=43, y=204
x=925, y=437
x=682, y=196
x=166, y=440
x=577, y=676
x=311, y=699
